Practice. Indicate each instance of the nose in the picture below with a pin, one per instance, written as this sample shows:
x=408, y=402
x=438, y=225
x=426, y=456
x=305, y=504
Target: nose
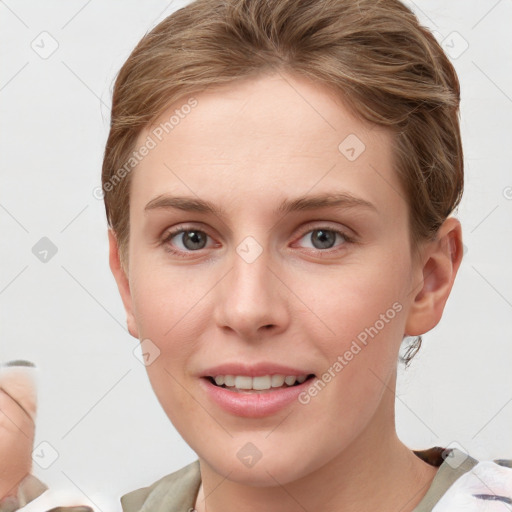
x=252, y=300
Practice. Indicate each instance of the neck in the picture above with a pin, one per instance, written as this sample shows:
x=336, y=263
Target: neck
x=375, y=472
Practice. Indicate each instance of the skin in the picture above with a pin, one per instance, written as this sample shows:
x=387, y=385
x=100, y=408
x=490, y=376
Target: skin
x=17, y=429
x=246, y=147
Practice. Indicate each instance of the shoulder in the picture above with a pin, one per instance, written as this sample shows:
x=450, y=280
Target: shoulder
x=465, y=483
x=487, y=486
x=177, y=490
x=461, y=483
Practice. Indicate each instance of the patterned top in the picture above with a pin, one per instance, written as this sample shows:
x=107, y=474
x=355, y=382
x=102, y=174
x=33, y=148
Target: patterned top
x=461, y=483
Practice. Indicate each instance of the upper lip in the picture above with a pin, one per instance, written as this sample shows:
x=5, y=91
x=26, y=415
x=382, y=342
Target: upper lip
x=253, y=370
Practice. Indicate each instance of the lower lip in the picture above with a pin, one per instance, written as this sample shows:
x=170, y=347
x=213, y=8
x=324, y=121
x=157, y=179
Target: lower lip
x=253, y=405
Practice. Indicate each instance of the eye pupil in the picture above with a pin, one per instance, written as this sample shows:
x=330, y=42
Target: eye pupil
x=194, y=237
x=326, y=238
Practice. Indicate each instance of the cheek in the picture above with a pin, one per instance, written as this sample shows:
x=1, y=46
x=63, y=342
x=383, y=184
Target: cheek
x=167, y=329
x=162, y=301
x=354, y=303
x=331, y=305
x=170, y=319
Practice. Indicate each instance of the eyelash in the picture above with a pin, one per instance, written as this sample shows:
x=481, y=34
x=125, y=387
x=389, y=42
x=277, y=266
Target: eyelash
x=166, y=241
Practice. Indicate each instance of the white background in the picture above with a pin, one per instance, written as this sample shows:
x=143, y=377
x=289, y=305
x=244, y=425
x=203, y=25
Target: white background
x=96, y=407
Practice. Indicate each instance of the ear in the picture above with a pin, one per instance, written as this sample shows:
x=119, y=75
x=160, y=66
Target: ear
x=122, y=281
x=439, y=265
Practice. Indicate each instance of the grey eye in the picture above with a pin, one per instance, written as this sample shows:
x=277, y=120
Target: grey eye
x=192, y=239
x=323, y=238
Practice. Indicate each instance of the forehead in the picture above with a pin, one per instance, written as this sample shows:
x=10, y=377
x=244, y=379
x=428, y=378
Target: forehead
x=272, y=136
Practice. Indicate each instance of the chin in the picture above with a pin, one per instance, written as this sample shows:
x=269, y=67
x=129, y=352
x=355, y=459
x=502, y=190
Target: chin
x=272, y=469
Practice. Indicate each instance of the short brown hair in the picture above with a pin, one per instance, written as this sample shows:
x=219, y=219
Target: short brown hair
x=387, y=68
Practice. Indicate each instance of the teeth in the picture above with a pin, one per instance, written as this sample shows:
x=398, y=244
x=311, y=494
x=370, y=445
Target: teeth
x=264, y=382
x=243, y=382
x=258, y=383
x=229, y=380
x=278, y=380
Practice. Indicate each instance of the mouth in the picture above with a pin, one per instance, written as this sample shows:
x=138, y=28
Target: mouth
x=256, y=389
x=258, y=385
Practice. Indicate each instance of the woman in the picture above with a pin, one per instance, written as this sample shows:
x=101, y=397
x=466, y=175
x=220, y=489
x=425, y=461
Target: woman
x=279, y=178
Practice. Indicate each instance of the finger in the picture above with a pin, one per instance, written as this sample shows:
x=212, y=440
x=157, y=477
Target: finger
x=17, y=380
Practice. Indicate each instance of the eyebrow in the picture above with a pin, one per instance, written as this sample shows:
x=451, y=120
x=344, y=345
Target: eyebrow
x=304, y=203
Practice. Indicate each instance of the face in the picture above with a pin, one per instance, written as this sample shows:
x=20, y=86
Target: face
x=323, y=289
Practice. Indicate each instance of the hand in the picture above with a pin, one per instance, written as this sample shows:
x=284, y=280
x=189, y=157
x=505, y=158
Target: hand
x=18, y=403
